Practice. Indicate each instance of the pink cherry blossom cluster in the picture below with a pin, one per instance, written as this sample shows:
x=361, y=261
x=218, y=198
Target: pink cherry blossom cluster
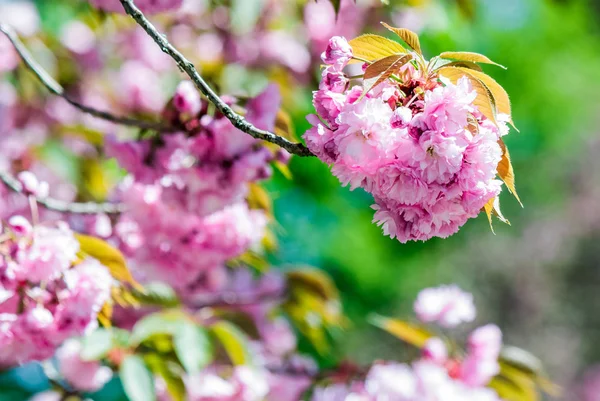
x=186, y=195
x=436, y=375
x=409, y=145
x=47, y=295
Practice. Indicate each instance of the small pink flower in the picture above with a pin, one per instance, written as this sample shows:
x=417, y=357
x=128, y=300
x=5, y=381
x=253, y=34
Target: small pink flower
x=483, y=350
x=337, y=53
x=332, y=80
x=435, y=350
x=31, y=185
x=187, y=99
x=81, y=375
x=446, y=305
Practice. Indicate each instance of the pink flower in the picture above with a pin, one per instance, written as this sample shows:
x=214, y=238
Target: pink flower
x=414, y=152
x=333, y=80
x=46, y=253
x=338, y=53
x=78, y=37
x=483, y=349
x=446, y=305
x=9, y=59
x=187, y=99
x=81, y=375
x=31, y=185
x=435, y=351
x=45, y=299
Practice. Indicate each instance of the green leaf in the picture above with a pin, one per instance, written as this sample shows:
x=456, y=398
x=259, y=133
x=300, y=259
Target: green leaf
x=108, y=256
x=166, y=323
x=193, y=347
x=407, y=332
x=314, y=280
x=234, y=342
x=96, y=345
x=170, y=373
x=158, y=294
x=244, y=15
x=137, y=379
x=408, y=36
x=470, y=57
x=374, y=47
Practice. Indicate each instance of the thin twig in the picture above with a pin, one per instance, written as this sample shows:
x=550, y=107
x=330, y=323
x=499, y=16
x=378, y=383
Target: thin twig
x=188, y=67
x=58, y=90
x=65, y=207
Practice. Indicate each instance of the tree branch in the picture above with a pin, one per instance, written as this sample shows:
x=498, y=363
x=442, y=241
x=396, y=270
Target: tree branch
x=55, y=88
x=188, y=67
x=65, y=207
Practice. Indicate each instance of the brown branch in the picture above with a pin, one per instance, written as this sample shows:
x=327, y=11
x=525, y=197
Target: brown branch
x=55, y=88
x=188, y=67
x=65, y=207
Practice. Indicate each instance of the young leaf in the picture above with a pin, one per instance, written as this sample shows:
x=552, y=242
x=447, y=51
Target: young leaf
x=506, y=172
x=284, y=126
x=313, y=280
x=408, y=36
x=234, y=342
x=492, y=207
x=96, y=345
x=382, y=69
x=407, y=332
x=464, y=64
x=484, y=101
x=105, y=315
x=166, y=323
x=193, y=347
x=108, y=256
x=374, y=47
x=137, y=380
x=157, y=294
x=171, y=376
x=469, y=57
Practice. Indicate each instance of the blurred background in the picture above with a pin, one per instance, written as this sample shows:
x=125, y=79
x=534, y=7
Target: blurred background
x=538, y=279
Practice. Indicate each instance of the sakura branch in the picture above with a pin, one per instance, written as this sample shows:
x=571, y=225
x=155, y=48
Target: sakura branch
x=188, y=67
x=65, y=207
x=55, y=88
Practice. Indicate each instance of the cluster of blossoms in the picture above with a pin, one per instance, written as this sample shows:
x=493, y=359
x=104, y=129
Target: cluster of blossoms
x=47, y=294
x=420, y=147
x=436, y=375
x=187, y=213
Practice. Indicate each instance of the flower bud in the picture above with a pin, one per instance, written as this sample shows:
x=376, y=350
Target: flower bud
x=187, y=99
x=337, y=53
x=31, y=185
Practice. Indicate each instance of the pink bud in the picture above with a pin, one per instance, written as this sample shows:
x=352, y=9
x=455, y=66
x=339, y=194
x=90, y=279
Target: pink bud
x=435, y=351
x=401, y=117
x=338, y=52
x=481, y=363
x=333, y=80
x=31, y=185
x=283, y=156
x=20, y=225
x=187, y=99
x=446, y=305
